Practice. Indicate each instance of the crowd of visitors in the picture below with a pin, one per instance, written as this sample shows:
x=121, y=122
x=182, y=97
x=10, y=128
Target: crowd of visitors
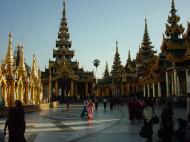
x=140, y=110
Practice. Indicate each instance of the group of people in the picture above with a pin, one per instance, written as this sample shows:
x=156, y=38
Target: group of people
x=166, y=131
x=135, y=109
x=141, y=109
x=90, y=106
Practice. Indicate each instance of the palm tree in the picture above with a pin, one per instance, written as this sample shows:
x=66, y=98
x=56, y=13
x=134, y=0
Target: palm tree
x=96, y=64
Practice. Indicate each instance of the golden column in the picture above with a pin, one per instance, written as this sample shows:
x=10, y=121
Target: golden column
x=21, y=91
x=56, y=88
x=72, y=88
x=11, y=97
x=26, y=94
x=16, y=91
x=4, y=91
x=107, y=91
x=32, y=94
x=76, y=92
x=122, y=89
x=128, y=88
x=38, y=94
x=144, y=91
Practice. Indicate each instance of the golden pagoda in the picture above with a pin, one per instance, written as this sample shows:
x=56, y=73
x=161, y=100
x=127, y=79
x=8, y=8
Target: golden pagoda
x=16, y=80
x=63, y=78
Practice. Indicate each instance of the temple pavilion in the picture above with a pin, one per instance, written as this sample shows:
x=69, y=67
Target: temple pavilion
x=153, y=74
x=64, y=78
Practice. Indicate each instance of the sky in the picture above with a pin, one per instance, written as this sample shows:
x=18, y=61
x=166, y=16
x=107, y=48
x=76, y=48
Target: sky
x=94, y=27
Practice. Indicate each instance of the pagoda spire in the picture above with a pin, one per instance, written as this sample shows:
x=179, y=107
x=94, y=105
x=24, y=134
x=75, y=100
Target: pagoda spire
x=173, y=10
x=117, y=67
x=129, y=55
x=64, y=8
x=9, y=56
x=146, y=45
x=106, y=73
x=129, y=59
x=63, y=43
x=173, y=29
x=146, y=39
x=22, y=66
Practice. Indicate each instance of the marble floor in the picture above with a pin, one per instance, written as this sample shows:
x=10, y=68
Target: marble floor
x=63, y=125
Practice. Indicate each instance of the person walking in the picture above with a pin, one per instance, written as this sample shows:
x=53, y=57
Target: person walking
x=180, y=133
x=167, y=123
x=188, y=103
x=90, y=110
x=188, y=129
x=105, y=103
x=111, y=103
x=131, y=109
x=84, y=110
x=96, y=103
x=148, y=115
x=16, y=123
x=68, y=102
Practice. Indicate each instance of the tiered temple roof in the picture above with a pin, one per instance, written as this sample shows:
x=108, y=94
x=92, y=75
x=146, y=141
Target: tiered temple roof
x=145, y=54
x=117, y=67
x=164, y=74
x=66, y=75
x=106, y=72
x=175, y=45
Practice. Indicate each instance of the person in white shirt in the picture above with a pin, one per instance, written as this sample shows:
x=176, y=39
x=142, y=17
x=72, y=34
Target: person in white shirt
x=148, y=115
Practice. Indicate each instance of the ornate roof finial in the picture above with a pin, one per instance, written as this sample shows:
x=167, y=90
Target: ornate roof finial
x=173, y=29
x=106, y=72
x=64, y=8
x=10, y=37
x=129, y=55
x=146, y=28
x=116, y=46
x=63, y=39
x=117, y=67
x=173, y=10
x=146, y=39
x=146, y=23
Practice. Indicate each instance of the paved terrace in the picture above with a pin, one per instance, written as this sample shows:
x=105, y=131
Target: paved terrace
x=62, y=125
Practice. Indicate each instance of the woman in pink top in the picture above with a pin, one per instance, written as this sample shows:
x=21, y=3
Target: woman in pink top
x=90, y=110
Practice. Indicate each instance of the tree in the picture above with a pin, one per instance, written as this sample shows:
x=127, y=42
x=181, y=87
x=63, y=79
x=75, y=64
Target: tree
x=96, y=64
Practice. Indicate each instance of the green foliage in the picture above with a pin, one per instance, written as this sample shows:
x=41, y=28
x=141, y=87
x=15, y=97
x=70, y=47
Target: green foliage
x=96, y=62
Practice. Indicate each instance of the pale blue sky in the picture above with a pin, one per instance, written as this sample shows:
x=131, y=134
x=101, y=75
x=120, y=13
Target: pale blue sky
x=94, y=26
